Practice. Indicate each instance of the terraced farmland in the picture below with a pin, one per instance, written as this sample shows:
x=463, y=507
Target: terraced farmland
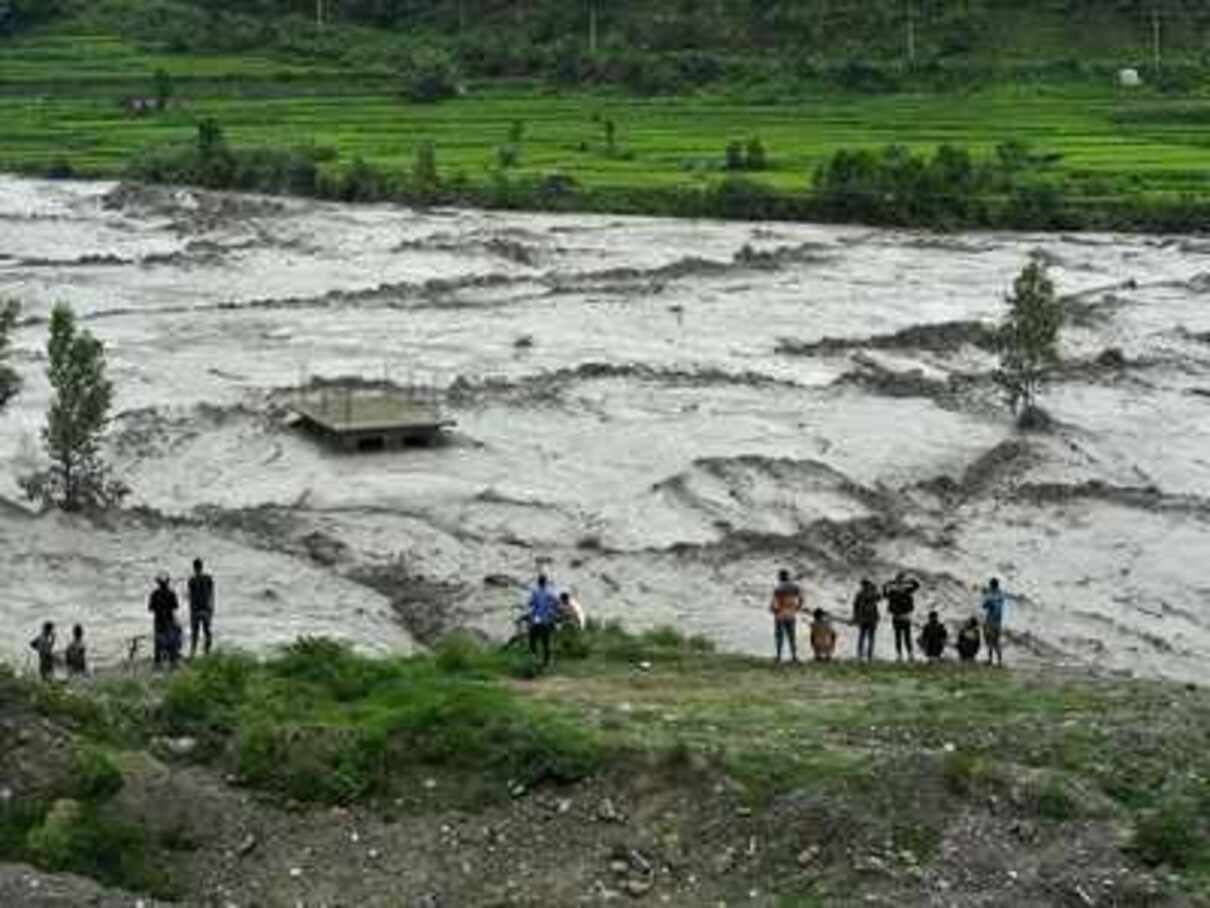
x=61, y=101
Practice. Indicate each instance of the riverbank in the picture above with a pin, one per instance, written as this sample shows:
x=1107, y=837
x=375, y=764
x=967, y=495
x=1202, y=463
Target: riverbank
x=641, y=766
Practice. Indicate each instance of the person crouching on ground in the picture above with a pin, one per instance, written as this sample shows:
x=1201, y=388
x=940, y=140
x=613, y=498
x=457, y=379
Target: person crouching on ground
x=785, y=606
x=968, y=641
x=543, y=612
x=163, y=605
x=933, y=638
x=76, y=654
x=823, y=636
x=570, y=611
x=900, y=603
x=866, y=617
x=44, y=646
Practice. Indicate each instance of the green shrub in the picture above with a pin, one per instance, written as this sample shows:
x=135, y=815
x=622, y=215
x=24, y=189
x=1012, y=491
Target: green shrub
x=459, y=653
x=80, y=838
x=1054, y=802
x=333, y=668
x=97, y=777
x=508, y=155
x=1170, y=834
x=966, y=772
x=755, y=158
x=429, y=74
x=207, y=693
x=734, y=156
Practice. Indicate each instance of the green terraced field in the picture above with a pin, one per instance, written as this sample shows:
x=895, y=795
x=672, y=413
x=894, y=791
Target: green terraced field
x=59, y=99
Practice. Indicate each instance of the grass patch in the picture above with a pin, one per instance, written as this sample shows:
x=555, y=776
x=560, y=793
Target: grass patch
x=1171, y=834
x=79, y=837
x=321, y=723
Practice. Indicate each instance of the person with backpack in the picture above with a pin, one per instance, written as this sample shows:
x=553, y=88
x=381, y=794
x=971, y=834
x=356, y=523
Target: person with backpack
x=543, y=613
x=163, y=605
x=900, y=603
x=993, y=620
x=968, y=640
x=201, y=607
x=933, y=638
x=76, y=654
x=44, y=646
x=823, y=636
x=785, y=606
x=866, y=618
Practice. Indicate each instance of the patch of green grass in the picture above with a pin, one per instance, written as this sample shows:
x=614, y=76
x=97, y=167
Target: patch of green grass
x=96, y=775
x=80, y=837
x=1054, y=802
x=321, y=723
x=1171, y=834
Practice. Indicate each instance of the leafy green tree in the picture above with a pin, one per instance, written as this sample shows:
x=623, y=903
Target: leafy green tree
x=424, y=171
x=10, y=381
x=164, y=88
x=430, y=74
x=1029, y=339
x=77, y=477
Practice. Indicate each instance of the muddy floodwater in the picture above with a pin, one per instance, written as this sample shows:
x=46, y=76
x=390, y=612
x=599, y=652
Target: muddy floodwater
x=663, y=412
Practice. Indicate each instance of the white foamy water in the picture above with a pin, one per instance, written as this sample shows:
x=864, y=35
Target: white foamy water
x=651, y=440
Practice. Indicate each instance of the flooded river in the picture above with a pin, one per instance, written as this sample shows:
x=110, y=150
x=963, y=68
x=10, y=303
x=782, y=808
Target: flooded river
x=664, y=412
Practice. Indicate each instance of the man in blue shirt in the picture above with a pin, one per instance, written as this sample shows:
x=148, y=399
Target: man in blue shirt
x=993, y=620
x=543, y=611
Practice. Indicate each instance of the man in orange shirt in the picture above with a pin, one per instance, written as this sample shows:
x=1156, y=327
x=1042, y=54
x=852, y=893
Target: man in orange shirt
x=786, y=604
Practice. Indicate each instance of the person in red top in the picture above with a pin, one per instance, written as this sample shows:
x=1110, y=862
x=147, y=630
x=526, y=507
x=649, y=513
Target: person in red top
x=786, y=604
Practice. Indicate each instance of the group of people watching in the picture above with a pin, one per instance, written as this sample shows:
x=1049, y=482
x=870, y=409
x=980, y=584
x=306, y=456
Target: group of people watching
x=167, y=634
x=168, y=639
x=547, y=609
x=899, y=595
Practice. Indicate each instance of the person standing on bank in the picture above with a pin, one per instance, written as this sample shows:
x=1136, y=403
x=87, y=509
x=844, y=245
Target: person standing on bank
x=900, y=603
x=785, y=606
x=866, y=617
x=163, y=605
x=44, y=646
x=993, y=620
x=201, y=607
x=543, y=612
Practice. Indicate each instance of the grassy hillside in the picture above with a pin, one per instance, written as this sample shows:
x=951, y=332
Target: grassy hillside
x=724, y=775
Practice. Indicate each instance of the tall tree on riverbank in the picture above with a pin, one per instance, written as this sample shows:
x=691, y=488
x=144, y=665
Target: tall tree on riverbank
x=10, y=381
x=77, y=478
x=1029, y=342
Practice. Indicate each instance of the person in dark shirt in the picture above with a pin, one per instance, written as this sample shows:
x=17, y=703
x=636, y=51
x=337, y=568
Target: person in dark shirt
x=201, y=607
x=866, y=617
x=44, y=646
x=933, y=638
x=163, y=605
x=900, y=603
x=969, y=641
x=76, y=654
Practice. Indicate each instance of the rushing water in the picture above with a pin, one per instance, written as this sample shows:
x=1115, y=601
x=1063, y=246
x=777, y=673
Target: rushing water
x=644, y=405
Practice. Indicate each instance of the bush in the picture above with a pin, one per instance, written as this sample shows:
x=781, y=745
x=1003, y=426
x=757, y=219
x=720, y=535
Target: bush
x=79, y=838
x=508, y=156
x=207, y=694
x=97, y=777
x=1170, y=834
x=966, y=772
x=429, y=74
x=754, y=156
